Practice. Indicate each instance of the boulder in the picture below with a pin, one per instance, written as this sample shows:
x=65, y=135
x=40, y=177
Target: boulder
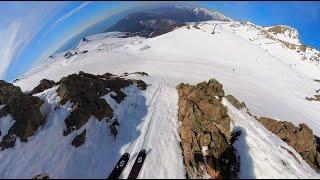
x=41, y=176
x=79, y=139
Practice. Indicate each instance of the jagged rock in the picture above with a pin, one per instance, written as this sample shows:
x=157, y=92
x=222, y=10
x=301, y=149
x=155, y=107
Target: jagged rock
x=85, y=91
x=8, y=141
x=205, y=131
x=42, y=176
x=24, y=109
x=8, y=91
x=142, y=73
x=79, y=139
x=44, y=84
x=315, y=98
x=300, y=138
x=113, y=129
x=317, y=141
x=235, y=102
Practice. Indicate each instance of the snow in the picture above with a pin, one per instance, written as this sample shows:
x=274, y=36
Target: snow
x=260, y=72
x=288, y=34
x=5, y=123
x=255, y=146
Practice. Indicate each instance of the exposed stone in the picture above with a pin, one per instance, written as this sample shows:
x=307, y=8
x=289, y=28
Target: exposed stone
x=142, y=73
x=314, y=98
x=113, y=128
x=235, y=102
x=79, y=139
x=44, y=84
x=205, y=131
x=24, y=109
x=41, y=176
x=300, y=138
x=85, y=91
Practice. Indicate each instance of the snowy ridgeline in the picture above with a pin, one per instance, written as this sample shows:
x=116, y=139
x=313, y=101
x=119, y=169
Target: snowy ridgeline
x=271, y=78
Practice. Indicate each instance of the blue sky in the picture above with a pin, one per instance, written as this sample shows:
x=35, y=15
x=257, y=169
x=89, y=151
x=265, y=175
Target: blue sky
x=32, y=31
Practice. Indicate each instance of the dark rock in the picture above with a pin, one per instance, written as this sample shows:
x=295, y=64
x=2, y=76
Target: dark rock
x=41, y=176
x=205, y=131
x=141, y=73
x=235, y=102
x=8, y=141
x=8, y=91
x=113, y=128
x=44, y=84
x=79, y=139
x=68, y=55
x=317, y=141
x=85, y=91
x=24, y=109
x=314, y=98
x=300, y=138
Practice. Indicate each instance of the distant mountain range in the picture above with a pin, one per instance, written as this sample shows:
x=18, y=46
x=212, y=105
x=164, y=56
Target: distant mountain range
x=157, y=21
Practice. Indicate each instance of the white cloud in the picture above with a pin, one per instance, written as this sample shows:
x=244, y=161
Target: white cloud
x=63, y=18
x=8, y=47
x=21, y=22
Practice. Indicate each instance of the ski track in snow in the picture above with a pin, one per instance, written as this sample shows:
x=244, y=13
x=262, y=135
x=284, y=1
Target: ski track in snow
x=257, y=74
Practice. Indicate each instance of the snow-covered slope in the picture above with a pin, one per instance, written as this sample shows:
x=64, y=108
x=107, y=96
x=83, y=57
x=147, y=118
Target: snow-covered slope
x=284, y=33
x=256, y=69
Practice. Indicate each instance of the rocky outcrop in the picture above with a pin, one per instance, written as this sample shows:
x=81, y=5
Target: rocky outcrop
x=24, y=109
x=44, y=84
x=314, y=98
x=79, y=139
x=235, y=102
x=300, y=138
x=85, y=91
x=205, y=132
x=41, y=176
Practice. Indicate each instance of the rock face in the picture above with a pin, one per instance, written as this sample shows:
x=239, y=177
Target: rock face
x=300, y=138
x=25, y=110
x=85, y=91
x=235, y=102
x=205, y=132
x=44, y=84
x=41, y=176
x=79, y=139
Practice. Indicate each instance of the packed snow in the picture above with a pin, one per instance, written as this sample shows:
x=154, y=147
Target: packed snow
x=255, y=146
x=258, y=72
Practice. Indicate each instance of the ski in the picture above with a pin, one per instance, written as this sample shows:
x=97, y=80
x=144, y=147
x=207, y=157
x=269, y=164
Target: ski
x=137, y=165
x=121, y=164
